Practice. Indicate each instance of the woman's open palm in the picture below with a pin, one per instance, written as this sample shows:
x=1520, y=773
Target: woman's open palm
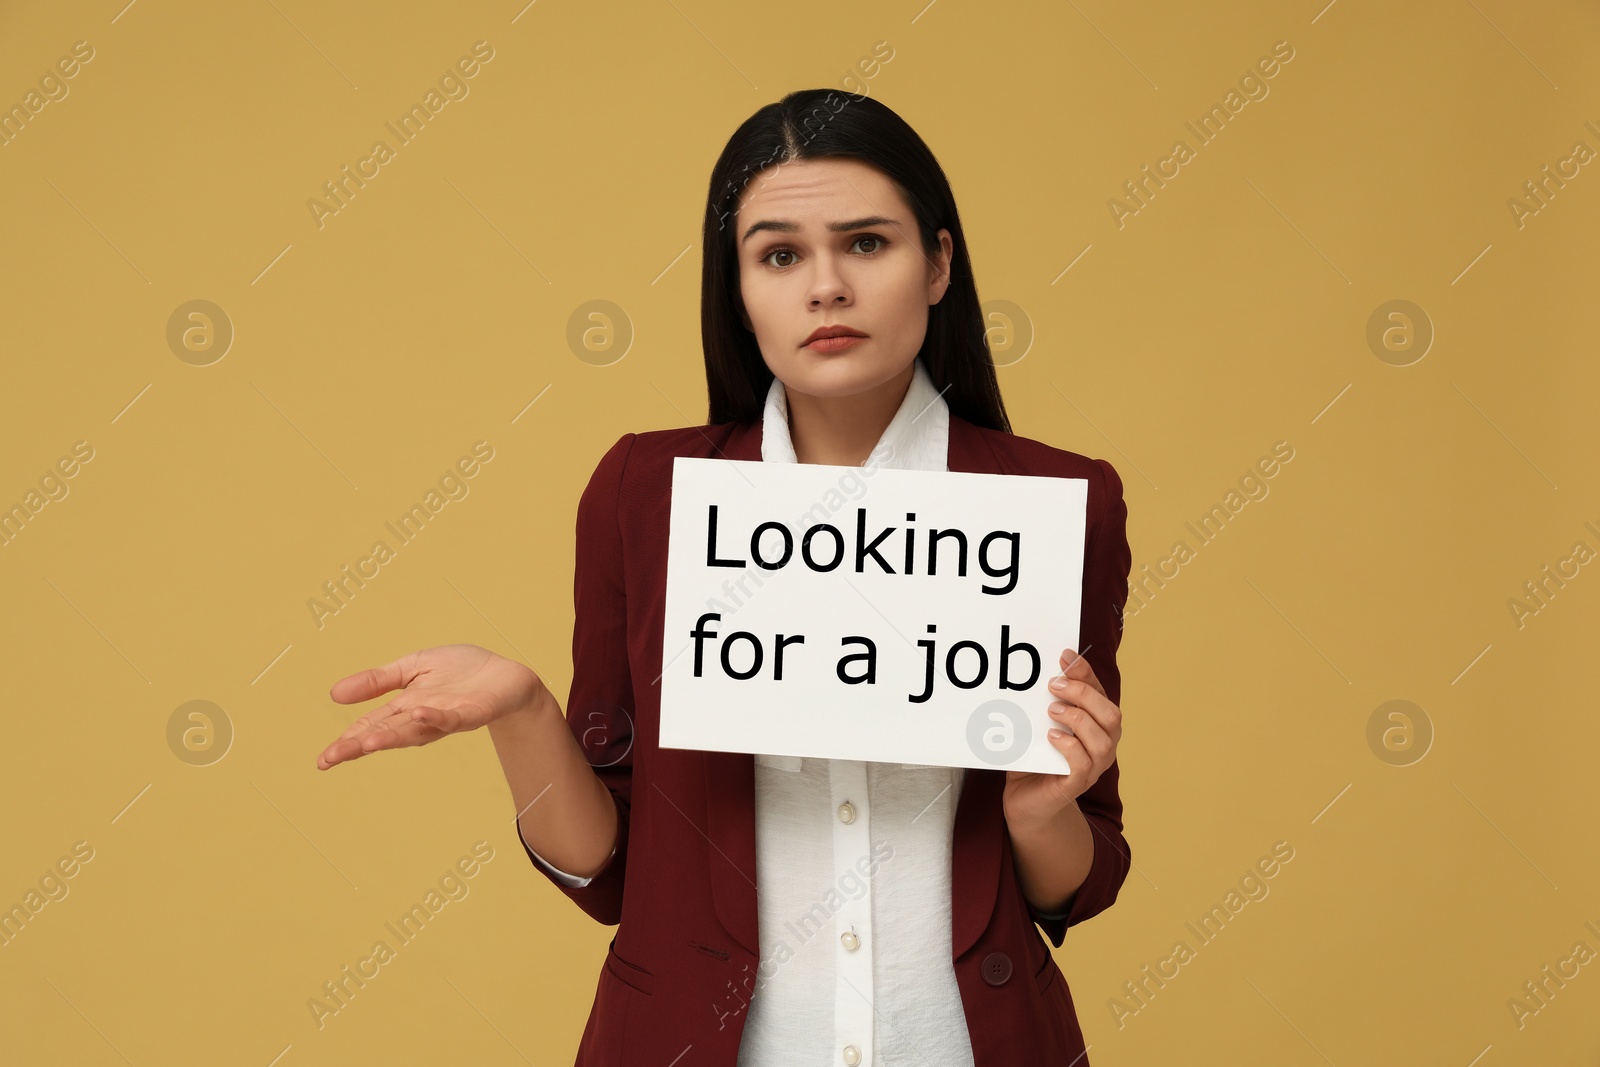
x=443, y=690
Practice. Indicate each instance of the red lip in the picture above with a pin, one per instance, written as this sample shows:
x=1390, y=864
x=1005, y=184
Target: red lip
x=832, y=331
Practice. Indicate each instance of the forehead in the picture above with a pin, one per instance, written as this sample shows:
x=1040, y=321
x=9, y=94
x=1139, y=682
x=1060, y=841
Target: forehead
x=816, y=191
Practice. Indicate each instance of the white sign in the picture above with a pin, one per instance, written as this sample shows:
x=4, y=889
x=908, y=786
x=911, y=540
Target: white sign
x=900, y=616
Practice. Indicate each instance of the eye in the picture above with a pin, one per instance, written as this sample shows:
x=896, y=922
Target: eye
x=878, y=245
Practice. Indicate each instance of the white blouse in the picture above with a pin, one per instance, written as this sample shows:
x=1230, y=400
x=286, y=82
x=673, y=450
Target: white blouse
x=853, y=863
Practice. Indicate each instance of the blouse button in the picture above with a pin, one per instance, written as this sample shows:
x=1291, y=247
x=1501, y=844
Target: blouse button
x=847, y=812
x=852, y=1056
x=849, y=940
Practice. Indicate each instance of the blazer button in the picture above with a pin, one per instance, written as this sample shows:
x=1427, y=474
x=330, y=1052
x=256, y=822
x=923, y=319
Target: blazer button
x=996, y=968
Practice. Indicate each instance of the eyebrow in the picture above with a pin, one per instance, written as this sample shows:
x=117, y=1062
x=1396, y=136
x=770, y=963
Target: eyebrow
x=783, y=226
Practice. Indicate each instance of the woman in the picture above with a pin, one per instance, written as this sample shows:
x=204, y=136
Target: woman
x=773, y=909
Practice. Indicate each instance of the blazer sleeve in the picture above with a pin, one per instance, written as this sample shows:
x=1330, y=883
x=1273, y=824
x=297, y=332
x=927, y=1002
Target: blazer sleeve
x=1106, y=566
x=600, y=706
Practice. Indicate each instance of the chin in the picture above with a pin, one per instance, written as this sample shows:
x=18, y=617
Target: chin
x=840, y=374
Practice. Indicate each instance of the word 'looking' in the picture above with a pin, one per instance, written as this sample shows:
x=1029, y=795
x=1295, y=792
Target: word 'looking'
x=864, y=549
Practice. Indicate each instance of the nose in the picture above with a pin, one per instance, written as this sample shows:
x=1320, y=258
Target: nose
x=828, y=286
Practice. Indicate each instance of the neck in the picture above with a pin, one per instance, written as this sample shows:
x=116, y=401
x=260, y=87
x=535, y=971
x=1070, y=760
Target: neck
x=843, y=430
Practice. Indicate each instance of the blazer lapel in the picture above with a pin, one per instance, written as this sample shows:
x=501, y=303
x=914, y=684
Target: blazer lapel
x=731, y=793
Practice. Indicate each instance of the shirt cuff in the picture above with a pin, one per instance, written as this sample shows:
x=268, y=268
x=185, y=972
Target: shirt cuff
x=559, y=875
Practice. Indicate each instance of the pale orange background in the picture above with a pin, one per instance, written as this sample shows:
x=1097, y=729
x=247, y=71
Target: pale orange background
x=1228, y=314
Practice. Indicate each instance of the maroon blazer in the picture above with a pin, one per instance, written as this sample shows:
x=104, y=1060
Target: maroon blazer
x=676, y=982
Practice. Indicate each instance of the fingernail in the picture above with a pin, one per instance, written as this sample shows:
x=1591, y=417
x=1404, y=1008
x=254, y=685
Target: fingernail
x=1057, y=733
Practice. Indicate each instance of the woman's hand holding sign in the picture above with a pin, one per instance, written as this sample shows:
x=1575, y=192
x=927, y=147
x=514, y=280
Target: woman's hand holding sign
x=1041, y=808
x=1088, y=727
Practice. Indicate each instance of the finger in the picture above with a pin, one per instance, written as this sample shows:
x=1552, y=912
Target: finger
x=370, y=720
x=375, y=681
x=1077, y=665
x=1078, y=760
x=444, y=719
x=1094, y=737
x=341, y=751
x=347, y=745
x=337, y=753
x=1078, y=693
x=402, y=734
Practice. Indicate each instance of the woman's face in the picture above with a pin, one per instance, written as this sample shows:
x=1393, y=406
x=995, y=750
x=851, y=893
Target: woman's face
x=830, y=242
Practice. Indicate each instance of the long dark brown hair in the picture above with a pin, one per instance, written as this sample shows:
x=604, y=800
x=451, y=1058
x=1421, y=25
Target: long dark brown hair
x=816, y=124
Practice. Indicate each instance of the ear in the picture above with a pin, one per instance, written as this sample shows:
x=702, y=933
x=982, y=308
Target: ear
x=939, y=268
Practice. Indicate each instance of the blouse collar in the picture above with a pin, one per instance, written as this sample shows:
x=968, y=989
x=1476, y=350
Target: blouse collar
x=917, y=438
